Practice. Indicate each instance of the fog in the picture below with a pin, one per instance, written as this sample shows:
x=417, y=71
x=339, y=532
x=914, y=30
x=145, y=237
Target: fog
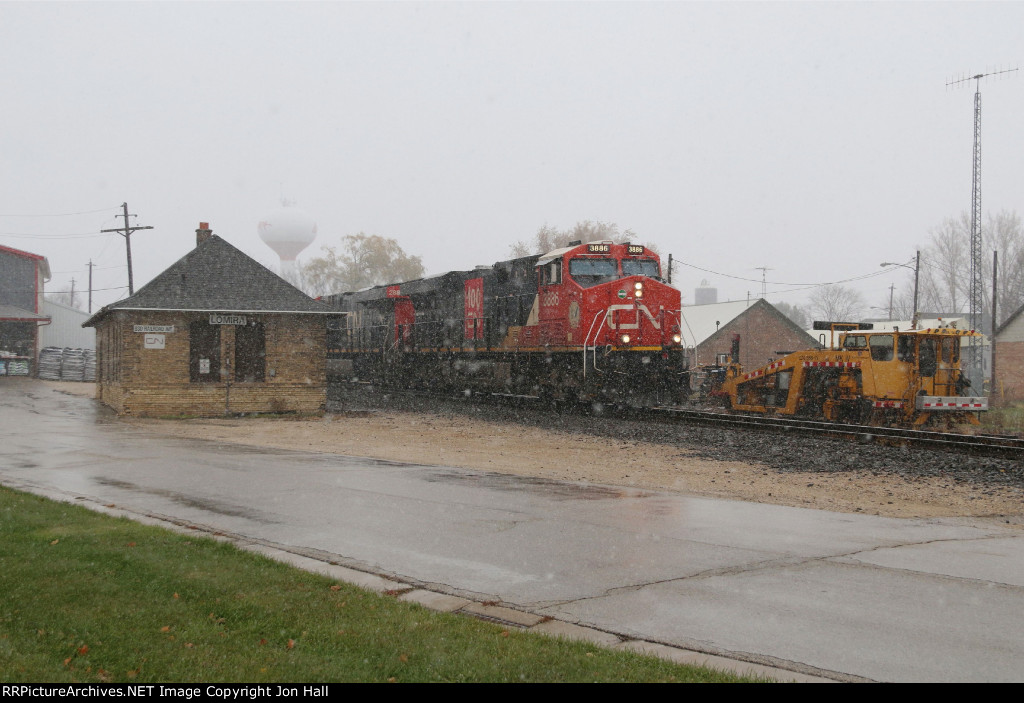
x=815, y=140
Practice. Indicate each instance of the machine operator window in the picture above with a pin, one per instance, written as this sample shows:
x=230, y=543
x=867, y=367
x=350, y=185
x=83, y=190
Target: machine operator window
x=905, y=348
x=591, y=272
x=951, y=350
x=640, y=267
x=881, y=347
x=855, y=342
x=927, y=351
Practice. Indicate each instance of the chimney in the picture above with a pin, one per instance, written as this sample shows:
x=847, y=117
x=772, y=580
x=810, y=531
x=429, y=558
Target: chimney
x=203, y=233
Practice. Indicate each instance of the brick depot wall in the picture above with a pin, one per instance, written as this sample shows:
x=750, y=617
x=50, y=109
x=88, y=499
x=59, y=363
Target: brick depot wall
x=762, y=332
x=134, y=380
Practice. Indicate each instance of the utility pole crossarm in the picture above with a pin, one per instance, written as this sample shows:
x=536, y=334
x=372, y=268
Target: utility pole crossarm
x=126, y=232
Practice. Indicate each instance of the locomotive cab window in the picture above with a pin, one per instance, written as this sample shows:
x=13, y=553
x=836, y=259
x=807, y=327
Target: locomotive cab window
x=551, y=273
x=640, y=267
x=881, y=347
x=592, y=272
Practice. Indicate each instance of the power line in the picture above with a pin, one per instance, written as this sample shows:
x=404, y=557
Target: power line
x=73, y=235
x=65, y=214
x=782, y=283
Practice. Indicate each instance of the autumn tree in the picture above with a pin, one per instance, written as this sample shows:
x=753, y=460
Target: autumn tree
x=361, y=261
x=836, y=303
x=549, y=238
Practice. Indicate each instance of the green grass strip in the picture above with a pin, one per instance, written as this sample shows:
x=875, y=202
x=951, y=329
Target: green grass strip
x=89, y=598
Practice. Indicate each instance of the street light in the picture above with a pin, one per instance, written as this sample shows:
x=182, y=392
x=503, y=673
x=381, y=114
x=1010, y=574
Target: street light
x=917, y=271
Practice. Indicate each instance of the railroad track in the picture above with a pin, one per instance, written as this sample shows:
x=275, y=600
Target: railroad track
x=981, y=444
x=1004, y=446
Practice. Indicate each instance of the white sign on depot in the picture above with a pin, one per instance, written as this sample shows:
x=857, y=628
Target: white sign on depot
x=153, y=341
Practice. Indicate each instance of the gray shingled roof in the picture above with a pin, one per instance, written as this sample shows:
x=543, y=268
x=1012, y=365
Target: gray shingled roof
x=12, y=313
x=217, y=277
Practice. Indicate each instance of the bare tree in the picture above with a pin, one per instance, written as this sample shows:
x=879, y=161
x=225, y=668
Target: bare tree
x=549, y=238
x=64, y=297
x=794, y=313
x=363, y=261
x=836, y=303
x=946, y=265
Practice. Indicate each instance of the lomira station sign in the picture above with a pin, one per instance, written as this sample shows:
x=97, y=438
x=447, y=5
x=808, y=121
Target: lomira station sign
x=219, y=319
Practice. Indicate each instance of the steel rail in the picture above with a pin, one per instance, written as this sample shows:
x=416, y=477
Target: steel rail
x=982, y=444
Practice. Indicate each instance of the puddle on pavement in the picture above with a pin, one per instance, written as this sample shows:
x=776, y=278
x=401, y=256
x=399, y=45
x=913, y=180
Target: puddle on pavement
x=211, y=506
x=549, y=488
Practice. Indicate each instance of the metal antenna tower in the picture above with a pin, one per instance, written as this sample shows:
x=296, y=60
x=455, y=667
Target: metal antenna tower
x=977, y=292
x=764, y=279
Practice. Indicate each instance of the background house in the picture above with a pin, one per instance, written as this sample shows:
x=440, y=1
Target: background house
x=763, y=330
x=1008, y=360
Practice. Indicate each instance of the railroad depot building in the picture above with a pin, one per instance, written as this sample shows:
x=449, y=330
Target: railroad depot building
x=216, y=333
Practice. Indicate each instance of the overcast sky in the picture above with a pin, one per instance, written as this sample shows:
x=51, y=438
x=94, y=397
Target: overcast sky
x=815, y=139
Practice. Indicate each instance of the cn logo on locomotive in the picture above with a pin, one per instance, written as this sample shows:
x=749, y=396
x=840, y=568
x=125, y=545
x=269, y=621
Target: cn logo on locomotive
x=630, y=325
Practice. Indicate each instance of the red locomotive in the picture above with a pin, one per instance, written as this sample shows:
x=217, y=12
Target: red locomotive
x=590, y=322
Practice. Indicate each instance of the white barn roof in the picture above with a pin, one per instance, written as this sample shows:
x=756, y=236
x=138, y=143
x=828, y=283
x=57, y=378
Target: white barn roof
x=702, y=321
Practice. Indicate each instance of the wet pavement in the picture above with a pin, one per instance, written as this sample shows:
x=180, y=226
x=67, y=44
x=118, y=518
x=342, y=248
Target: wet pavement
x=830, y=593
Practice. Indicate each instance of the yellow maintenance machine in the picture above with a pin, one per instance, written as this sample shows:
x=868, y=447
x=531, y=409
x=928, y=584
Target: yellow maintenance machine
x=880, y=378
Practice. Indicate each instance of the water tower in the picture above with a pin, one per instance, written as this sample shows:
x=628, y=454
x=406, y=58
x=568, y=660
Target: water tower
x=705, y=294
x=287, y=231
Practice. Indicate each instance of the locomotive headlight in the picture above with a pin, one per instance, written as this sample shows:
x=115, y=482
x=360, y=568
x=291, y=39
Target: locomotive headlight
x=638, y=289
x=625, y=339
x=677, y=338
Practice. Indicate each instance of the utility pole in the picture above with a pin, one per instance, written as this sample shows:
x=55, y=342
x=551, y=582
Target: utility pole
x=977, y=293
x=72, y=304
x=91, y=264
x=992, y=340
x=126, y=232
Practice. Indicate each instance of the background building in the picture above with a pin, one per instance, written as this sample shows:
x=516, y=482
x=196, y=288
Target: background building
x=764, y=332
x=22, y=277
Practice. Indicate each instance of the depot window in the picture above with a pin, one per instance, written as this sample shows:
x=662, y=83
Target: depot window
x=250, y=353
x=591, y=272
x=203, y=352
x=640, y=267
